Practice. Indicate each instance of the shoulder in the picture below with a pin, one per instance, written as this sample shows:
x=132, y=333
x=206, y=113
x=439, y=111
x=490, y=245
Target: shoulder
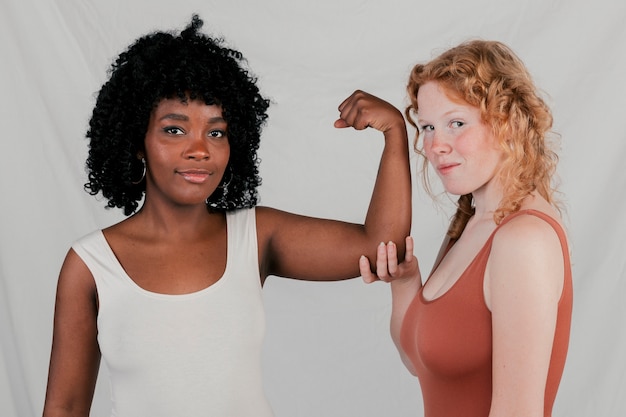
x=271, y=218
x=528, y=230
x=267, y=214
x=269, y=221
x=75, y=278
x=526, y=259
x=525, y=239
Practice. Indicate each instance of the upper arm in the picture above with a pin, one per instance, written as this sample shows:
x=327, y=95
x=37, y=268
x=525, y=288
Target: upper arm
x=305, y=247
x=75, y=356
x=523, y=285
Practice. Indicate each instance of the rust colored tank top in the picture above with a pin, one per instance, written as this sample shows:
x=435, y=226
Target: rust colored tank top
x=449, y=341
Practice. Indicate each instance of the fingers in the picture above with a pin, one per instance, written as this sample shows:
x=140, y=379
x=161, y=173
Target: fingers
x=392, y=259
x=408, y=253
x=348, y=103
x=387, y=266
x=362, y=110
x=366, y=272
x=340, y=124
x=351, y=111
x=382, y=270
x=358, y=110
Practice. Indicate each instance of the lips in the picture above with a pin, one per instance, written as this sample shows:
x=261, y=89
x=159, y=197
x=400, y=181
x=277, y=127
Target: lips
x=195, y=176
x=446, y=168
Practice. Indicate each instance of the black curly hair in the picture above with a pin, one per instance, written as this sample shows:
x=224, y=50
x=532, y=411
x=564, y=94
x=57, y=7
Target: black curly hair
x=161, y=65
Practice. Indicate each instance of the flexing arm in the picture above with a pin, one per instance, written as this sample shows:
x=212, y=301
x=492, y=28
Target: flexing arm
x=523, y=284
x=405, y=279
x=75, y=356
x=315, y=249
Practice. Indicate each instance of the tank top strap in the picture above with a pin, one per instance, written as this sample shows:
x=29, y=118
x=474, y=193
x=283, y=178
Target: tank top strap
x=540, y=214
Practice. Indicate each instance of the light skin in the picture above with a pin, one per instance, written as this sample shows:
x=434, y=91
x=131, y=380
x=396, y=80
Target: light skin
x=174, y=245
x=524, y=276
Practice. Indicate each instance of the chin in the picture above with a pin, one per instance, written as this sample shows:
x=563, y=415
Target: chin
x=457, y=191
x=459, y=188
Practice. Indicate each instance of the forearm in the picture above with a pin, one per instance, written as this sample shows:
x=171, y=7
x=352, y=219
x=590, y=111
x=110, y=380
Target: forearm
x=53, y=411
x=389, y=213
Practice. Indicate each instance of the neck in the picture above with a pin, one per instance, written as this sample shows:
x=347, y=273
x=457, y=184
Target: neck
x=171, y=222
x=487, y=200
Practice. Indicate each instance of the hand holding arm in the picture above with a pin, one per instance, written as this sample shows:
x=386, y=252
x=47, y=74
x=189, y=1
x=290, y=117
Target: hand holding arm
x=387, y=267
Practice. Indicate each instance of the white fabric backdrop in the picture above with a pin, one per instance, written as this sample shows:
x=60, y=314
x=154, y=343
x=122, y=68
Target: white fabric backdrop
x=328, y=350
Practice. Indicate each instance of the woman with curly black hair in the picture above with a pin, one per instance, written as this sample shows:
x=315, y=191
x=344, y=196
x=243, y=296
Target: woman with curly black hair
x=170, y=297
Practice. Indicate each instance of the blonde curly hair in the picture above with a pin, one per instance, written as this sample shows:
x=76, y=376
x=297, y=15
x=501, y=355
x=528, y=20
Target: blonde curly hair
x=489, y=76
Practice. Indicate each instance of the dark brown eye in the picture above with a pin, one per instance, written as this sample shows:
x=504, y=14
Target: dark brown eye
x=173, y=130
x=217, y=133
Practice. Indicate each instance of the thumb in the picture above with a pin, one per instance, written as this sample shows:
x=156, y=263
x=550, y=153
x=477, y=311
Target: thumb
x=340, y=124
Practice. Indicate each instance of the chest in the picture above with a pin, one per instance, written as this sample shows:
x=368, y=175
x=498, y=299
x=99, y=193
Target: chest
x=450, y=336
x=456, y=261
x=176, y=267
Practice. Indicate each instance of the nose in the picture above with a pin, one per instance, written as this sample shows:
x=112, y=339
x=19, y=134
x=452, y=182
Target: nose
x=197, y=148
x=439, y=144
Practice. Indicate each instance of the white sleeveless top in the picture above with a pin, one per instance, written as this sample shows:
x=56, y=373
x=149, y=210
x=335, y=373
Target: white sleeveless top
x=189, y=355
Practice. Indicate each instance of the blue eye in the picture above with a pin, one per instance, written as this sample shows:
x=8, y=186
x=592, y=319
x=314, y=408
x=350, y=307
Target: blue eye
x=457, y=123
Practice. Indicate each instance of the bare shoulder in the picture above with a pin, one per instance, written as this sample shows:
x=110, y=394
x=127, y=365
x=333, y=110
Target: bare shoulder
x=270, y=214
x=267, y=219
x=525, y=241
x=270, y=221
x=75, y=278
x=526, y=231
x=526, y=258
x=266, y=214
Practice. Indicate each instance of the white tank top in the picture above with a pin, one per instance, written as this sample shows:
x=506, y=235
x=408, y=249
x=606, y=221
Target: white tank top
x=189, y=355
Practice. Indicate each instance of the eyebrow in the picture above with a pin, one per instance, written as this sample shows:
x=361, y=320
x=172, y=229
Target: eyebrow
x=182, y=117
x=450, y=113
x=175, y=116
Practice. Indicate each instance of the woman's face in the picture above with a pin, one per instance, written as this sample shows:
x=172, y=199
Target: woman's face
x=460, y=146
x=186, y=151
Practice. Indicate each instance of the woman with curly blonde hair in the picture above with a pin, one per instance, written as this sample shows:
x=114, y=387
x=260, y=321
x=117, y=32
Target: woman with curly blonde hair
x=487, y=333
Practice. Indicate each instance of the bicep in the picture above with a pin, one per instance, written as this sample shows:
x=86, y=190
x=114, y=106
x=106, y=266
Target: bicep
x=75, y=356
x=525, y=278
x=310, y=248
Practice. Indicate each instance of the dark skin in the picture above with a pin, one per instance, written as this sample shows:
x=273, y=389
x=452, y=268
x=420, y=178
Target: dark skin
x=173, y=245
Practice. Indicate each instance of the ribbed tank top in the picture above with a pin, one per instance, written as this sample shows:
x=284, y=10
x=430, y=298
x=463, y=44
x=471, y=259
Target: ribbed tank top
x=190, y=355
x=449, y=339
